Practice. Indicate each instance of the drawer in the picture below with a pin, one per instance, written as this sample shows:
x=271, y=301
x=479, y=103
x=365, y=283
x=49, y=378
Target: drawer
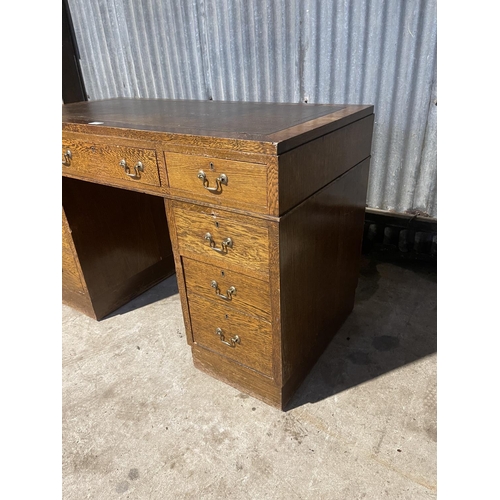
x=101, y=161
x=232, y=334
x=218, y=181
x=248, y=294
x=235, y=242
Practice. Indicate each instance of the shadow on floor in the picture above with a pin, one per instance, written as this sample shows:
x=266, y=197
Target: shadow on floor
x=162, y=290
x=393, y=323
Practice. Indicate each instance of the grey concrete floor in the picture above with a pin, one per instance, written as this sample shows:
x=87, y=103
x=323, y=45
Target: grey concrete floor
x=140, y=422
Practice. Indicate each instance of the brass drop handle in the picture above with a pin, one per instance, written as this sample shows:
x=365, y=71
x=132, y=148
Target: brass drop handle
x=139, y=167
x=232, y=343
x=225, y=244
x=222, y=179
x=67, y=158
x=230, y=291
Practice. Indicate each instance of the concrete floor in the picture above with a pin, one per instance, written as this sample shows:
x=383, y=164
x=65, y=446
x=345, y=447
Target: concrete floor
x=140, y=422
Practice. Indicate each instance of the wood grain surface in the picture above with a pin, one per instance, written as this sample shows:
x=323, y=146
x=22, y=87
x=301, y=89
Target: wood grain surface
x=293, y=208
x=246, y=182
x=74, y=289
x=121, y=238
x=305, y=170
x=249, y=252
x=237, y=375
x=254, y=349
x=320, y=248
x=181, y=282
x=275, y=295
x=257, y=127
x=251, y=295
x=96, y=160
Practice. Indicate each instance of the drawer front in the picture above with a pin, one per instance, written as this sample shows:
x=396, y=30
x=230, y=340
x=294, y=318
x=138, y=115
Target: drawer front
x=218, y=181
x=223, y=240
x=229, y=332
x=248, y=294
x=101, y=161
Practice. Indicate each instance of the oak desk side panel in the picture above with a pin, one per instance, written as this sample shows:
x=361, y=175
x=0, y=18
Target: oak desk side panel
x=179, y=270
x=74, y=289
x=306, y=169
x=320, y=249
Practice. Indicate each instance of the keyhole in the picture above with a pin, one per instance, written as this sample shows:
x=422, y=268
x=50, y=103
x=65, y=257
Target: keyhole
x=216, y=224
x=227, y=317
x=211, y=166
x=222, y=273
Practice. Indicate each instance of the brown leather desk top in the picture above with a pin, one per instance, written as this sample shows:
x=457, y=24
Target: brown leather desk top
x=279, y=127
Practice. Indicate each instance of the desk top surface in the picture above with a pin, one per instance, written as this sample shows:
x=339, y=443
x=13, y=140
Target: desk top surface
x=284, y=125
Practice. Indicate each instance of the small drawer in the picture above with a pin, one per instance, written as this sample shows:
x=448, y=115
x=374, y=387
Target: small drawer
x=231, y=333
x=235, y=242
x=101, y=161
x=218, y=181
x=248, y=294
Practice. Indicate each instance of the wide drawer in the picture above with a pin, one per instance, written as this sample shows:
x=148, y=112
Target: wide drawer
x=235, y=242
x=101, y=161
x=218, y=181
x=228, y=287
x=229, y=332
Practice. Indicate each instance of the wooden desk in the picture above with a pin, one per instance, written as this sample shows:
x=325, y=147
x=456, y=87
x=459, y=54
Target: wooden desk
x=264, y=205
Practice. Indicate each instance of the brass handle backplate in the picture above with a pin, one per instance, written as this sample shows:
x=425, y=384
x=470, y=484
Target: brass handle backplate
x=222, y=179
x=139, y=167
x=67, y=158
x=225, y=244
x=230, y=291
x=232, y=343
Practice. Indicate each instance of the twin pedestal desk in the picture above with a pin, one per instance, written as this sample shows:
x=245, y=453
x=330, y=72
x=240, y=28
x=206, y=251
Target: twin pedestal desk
x=257, y=207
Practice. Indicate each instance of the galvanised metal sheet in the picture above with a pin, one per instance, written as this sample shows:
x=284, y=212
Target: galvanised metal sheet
x=380, y=52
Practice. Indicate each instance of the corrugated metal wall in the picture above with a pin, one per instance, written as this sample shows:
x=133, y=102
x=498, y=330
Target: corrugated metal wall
x=380, y=52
